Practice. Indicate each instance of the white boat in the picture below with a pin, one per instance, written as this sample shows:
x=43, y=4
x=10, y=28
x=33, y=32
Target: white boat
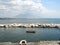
x=23, y=42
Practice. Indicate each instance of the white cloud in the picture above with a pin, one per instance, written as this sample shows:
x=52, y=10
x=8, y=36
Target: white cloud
x=16, y=7
x=23, y=6
x=2, y=6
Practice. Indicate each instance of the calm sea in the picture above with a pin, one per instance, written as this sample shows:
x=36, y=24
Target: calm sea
x=17, y=34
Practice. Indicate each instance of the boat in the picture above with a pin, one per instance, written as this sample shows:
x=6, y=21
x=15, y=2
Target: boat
x=30, y=31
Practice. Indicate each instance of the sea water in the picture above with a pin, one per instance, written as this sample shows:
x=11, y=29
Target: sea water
x=17, y=34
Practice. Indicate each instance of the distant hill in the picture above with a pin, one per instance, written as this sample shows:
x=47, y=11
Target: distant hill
x=24, y=16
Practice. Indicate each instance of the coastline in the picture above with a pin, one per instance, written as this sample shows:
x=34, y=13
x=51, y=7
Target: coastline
x=33, y=43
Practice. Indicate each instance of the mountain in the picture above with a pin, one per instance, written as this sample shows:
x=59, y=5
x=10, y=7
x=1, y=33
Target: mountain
x=24, y=16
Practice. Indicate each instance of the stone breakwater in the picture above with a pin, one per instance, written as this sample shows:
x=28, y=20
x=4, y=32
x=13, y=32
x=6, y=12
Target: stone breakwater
x=14, y=25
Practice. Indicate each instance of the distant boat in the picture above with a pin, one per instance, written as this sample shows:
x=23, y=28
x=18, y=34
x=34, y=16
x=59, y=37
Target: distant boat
x=30, y=31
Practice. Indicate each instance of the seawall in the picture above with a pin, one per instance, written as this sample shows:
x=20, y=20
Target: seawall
x=14, y=25
x=33, y=43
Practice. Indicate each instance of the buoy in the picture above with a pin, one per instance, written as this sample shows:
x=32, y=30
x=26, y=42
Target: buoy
x=23, y=42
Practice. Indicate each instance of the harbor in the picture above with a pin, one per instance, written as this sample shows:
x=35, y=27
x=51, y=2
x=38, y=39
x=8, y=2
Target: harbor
x=33, y=43
x=29, y=22
x=15, y=25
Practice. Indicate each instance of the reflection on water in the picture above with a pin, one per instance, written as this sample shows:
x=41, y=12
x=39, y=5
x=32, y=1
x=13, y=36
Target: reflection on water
x=17, y=34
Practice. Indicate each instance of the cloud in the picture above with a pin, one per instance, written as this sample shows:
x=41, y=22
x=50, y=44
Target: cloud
x=11, y=8
x=2, y=6
x=30, y=5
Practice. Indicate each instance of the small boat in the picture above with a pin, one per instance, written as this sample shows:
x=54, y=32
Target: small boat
x=23, y=42
x=30, y=31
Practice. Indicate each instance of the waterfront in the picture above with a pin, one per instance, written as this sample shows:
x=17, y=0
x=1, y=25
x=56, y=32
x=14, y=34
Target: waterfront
x=17, y=34
x=33, y=43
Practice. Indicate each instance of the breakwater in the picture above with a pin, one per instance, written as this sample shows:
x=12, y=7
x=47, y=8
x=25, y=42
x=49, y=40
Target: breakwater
x=14, y=25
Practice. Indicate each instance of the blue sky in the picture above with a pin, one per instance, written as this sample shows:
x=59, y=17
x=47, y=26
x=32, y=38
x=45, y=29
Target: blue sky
x=52, y=4
x=30, y=8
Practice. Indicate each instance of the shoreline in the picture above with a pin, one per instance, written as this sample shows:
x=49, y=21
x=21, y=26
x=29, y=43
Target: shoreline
x=33, y=43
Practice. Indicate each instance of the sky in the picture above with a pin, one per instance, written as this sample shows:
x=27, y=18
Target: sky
x=30, y=8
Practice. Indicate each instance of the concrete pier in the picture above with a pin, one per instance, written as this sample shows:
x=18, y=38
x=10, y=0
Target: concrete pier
x=14, y=25
x=33, y=43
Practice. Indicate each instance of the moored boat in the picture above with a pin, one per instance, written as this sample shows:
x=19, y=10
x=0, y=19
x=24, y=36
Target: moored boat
x=30, y=31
